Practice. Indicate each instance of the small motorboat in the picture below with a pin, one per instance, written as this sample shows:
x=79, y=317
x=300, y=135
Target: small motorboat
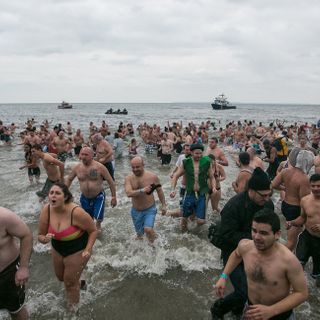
x=65, y=105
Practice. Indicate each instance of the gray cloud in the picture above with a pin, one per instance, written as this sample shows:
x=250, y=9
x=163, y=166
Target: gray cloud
x=168, y=50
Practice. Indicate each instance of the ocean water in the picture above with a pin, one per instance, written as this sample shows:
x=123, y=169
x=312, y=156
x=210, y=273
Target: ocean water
x=127, y=279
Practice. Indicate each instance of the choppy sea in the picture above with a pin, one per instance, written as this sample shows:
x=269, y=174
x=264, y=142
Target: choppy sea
x=128, y=279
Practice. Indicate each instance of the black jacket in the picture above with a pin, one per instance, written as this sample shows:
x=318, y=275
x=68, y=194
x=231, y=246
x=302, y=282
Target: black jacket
x=236, y=220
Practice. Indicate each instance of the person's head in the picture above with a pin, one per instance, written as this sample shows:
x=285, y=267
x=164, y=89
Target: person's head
x=116, y=135
x=186, y=148
x=266, y=144
x=86, y=155
x=252, y=152
x=133, y=141
x=36, y=149
x=213, y=142
x=244, y=158
x=315, y=185
x=27, y=147
x=97, y=138
x=59, y=194
x=137, y=166
x=265, y=229
x=259, y=187
x=61, y=134
x=196, y=151
x=302, y=140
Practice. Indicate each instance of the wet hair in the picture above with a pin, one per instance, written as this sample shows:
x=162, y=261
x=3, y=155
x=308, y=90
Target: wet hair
x=244, y=158
x=268, y=216
x=212, y=157
x=214, y=139
x=315, y=177
x=37, y=146
x=65, y=190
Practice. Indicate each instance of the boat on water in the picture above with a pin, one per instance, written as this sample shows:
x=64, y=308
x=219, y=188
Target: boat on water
x=111, y=111
x=221, y=103
x=65, y=105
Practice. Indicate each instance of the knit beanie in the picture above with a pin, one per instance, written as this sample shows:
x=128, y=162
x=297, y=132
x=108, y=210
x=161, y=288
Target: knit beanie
x=195, y=146
x=259, y=180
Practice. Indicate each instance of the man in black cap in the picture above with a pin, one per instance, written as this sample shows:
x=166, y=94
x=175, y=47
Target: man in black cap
x=236, y=222
x=197, y=170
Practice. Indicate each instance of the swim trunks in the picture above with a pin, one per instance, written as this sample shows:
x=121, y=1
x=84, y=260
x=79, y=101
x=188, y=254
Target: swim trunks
x=287, y=315
x=110, y=168
x=95, y=206
x=62, y=156
x=309, y=246
x=77, y=150
x=11, y=296
x=194, y=204
x=45, y=190
x=34, y=172
x=290, y=211
x=143, y=219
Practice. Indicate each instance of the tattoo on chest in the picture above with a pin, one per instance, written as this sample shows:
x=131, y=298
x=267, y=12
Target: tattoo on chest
x=93, y=173
x=258, y=274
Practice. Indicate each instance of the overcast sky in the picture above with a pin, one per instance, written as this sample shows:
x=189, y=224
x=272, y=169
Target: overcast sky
x=159, y=51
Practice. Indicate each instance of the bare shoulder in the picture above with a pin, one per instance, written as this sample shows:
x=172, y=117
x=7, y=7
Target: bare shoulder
x=288, y=257
x=245, y=246
x=6, y=215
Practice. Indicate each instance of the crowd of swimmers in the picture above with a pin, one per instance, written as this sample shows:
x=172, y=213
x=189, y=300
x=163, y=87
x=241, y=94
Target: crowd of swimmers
x=270, y=157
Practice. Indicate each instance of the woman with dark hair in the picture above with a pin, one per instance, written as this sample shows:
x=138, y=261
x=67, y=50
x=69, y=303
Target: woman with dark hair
x=72, y=233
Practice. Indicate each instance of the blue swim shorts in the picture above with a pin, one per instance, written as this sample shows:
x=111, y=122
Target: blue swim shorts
x=95, y=206
x=194, y=204
x=143, y=219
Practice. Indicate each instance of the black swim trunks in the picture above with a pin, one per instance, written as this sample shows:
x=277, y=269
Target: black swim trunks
x=290, y=211
x=11, y=296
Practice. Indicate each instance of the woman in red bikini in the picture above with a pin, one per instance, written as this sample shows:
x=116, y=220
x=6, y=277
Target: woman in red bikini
x=72, y=233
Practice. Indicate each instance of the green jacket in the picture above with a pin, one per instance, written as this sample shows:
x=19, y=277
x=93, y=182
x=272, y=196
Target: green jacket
x=204, y=166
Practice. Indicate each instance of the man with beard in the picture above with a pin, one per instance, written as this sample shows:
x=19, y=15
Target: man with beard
x=236, y=222
x=139, y=186
x=91, y=175
x=276, y=282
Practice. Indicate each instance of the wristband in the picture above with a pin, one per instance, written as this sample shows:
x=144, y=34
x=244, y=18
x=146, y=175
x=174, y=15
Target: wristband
x=141, y=190
x=224, y=276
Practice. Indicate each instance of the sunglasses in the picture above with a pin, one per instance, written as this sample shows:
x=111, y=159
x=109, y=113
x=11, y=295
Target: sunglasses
x=264, y=195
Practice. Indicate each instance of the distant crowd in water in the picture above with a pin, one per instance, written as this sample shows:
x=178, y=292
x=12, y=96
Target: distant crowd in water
x=289, y=151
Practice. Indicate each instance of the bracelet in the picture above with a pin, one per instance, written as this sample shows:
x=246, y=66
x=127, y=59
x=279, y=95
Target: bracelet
x=224, y=276
x=141, y=190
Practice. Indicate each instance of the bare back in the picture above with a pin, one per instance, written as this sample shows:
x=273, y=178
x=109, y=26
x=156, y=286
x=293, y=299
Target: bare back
x=9, y=250
x=296, y=184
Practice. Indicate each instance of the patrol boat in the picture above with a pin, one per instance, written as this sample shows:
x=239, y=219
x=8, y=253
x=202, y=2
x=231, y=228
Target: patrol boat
x=221, y=103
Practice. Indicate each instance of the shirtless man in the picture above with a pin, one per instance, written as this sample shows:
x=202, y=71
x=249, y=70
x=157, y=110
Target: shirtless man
x=91, y=174
x=14, y=263
x=216, y=151
x=260, y=131
x=61, y=143
x=276, y=282
x=255, y=161
x=166, y=149
x=78, y=141
x=296, y=185
x=198, y=171
x=32, y=138
x=139, y=186
x=104, y=153
x=240, y=184
x=309, y=241
x=54, y=169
